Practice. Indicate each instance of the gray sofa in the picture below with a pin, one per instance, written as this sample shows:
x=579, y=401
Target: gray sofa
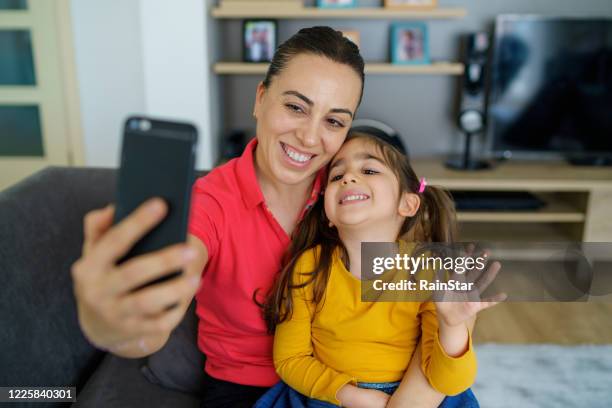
x=40, y=339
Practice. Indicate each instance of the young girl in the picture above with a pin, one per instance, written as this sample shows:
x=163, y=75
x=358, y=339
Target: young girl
x=329, y=345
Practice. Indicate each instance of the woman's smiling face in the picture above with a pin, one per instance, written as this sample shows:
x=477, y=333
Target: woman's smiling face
x=304, y=116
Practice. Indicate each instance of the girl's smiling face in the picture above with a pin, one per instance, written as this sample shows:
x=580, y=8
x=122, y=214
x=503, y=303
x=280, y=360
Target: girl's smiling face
x=363, y=191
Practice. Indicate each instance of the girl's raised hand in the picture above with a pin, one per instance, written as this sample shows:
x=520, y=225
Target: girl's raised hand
x=456, y=307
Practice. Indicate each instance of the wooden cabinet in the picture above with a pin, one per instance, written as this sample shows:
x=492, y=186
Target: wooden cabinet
x=578, y=200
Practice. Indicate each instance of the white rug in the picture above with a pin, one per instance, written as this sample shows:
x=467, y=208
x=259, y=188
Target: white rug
x=543, y=376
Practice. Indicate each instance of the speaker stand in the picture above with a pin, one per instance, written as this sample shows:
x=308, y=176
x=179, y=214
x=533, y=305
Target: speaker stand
x=465, y=162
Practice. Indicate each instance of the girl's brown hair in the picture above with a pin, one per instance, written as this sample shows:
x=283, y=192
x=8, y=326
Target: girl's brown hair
x=435, y=221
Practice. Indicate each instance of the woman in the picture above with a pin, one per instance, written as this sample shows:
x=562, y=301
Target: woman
x=243, y=214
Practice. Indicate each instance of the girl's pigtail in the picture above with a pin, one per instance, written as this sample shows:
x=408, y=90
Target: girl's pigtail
x=437, y=218
x=312, y=232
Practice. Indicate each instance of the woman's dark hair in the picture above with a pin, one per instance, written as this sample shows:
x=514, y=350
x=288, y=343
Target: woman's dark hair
x=435, y=221
x=322, y=41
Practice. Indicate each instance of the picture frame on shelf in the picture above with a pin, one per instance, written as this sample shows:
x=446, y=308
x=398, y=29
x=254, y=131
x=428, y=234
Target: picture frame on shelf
x=410, y=44
x=411, y=4
x=259, y=40
x=352, y=35
x=336, y=3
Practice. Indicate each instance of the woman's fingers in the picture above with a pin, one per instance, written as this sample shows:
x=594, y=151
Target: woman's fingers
x=95, y=224
x=108, y=313
x=162, y=322
x=155, y=299
x=138, y=271
x=109, y=310
x=122, y=237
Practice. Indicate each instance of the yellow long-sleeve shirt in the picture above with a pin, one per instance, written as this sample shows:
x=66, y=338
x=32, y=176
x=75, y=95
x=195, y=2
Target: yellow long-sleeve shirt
x=322, y=348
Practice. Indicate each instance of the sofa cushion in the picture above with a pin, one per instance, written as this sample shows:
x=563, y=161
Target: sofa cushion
x=41, y=234
x=179, y=365
x=118, y=383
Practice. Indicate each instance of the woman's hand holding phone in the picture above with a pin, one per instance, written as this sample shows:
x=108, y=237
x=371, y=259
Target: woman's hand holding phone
x=111, y=314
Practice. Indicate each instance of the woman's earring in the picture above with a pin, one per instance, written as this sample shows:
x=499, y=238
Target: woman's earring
x=331, y=224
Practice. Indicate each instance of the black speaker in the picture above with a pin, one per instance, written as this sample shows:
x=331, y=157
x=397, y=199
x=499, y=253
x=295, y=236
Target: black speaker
x=471, y=116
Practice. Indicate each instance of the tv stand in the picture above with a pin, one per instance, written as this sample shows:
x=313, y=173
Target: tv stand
x=591, y=161
x=579, y=208
x=578, y=200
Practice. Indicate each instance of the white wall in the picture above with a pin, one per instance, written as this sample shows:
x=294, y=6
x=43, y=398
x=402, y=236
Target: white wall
x=422, y=108
x=108, y=55
x=176, y=65
x=140, y=56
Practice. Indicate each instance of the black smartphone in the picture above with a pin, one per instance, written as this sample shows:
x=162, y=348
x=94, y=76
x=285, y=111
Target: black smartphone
x=157, y=160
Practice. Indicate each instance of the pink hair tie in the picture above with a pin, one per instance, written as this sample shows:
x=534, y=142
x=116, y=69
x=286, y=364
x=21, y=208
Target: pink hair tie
x=422, y=185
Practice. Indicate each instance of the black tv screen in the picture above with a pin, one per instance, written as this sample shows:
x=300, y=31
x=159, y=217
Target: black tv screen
x=551, y=87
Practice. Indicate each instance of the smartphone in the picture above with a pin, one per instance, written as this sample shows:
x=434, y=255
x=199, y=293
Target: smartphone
x=157, y=160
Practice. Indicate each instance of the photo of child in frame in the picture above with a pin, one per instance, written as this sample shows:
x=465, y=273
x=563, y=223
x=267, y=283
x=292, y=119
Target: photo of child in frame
x=336, y=3
x=259, y=39
x=409, y=44
x=411, y=4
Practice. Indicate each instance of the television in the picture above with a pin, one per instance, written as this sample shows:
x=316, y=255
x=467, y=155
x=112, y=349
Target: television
x=550, y=88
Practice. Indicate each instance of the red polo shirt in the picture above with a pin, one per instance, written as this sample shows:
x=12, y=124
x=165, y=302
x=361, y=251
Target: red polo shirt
x=245, y=246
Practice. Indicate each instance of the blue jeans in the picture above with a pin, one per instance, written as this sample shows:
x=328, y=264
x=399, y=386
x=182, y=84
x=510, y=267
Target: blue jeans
x=389, y=388
x=283, y=396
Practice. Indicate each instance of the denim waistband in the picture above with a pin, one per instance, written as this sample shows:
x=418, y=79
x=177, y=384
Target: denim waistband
x=378, y=386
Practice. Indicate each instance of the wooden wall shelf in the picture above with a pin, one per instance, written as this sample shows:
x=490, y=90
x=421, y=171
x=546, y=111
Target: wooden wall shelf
x=354, y=13
x=437, y=68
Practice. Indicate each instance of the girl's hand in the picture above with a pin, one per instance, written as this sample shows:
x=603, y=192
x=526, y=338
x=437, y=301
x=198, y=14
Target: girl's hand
x=354, y=397
x=457, y=310
x=457, y=307
x=373, y=399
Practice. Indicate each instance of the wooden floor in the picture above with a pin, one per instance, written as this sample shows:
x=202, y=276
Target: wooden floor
x=546, y=322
